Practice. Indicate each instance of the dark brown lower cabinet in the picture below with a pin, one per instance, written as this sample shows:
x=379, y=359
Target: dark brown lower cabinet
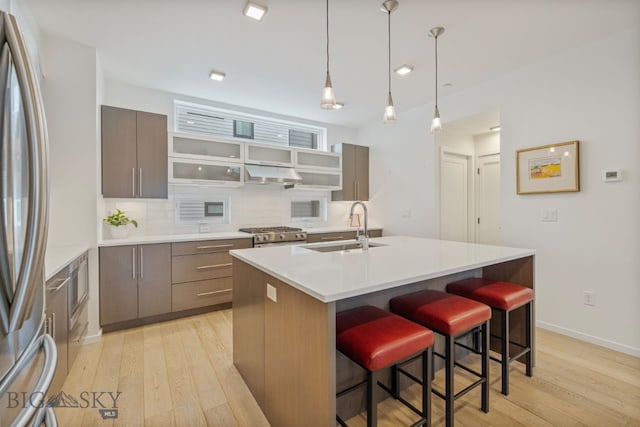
x=135, y=282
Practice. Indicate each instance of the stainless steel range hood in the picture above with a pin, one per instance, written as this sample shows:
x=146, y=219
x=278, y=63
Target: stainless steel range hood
x=263, y=174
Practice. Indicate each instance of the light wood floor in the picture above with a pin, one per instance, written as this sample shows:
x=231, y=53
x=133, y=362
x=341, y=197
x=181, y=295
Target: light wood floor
x=180, y=373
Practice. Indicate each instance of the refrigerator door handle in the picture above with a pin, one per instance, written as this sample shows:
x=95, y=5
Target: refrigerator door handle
x=45, y=416
x=37, y=395
x=30, y=276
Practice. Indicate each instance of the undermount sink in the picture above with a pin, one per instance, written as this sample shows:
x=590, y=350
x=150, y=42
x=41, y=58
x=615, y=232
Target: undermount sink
x=341, y=247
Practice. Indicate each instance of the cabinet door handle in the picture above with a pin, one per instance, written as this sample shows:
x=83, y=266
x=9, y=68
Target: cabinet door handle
x=204, y=294
x=133, y=182
x=333, y=238
x=213, y=247
x=141, y=264
x=357, y=191
x=54, y=288
x=140, y=183
x=209, y=267
x=133, y=263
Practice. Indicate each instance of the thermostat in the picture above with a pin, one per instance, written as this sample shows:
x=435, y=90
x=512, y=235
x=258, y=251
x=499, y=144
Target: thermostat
x=611, y=175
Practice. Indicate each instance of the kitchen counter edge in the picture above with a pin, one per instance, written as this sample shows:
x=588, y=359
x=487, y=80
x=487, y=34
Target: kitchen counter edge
x=173, y=238
x=58, y=257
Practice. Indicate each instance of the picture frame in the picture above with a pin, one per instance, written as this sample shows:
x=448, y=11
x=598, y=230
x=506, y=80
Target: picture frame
x=552, y=168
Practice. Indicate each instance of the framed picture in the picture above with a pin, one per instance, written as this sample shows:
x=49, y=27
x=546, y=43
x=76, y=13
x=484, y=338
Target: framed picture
x=548, y=169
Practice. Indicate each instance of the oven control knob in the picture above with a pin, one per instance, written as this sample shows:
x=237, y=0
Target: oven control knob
x=282, y=237
x=299, y=236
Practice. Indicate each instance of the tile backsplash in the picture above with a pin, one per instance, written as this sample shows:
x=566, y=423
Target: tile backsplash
x=249, y=207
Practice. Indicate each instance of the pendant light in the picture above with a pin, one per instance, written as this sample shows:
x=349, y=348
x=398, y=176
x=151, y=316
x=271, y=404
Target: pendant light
x=436, y=124
x=390, y=110
x=328, y=100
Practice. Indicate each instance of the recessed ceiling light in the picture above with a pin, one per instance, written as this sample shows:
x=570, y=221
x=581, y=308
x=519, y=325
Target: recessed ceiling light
x=217, y=76
x=403, y=70
x=495, y=128
x=254, y=11
x=338, y=105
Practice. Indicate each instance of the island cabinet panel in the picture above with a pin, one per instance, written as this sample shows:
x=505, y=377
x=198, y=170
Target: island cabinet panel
x=135, y=282
x=299, y=343
x=249, y=293
x=284, y=349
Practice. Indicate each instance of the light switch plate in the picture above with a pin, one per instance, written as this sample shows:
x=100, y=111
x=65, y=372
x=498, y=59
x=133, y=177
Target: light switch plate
x=272, y=293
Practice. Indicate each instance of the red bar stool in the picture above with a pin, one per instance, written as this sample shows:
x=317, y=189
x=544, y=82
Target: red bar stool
x=503, y=297
x=451, y=316
x=375, y=339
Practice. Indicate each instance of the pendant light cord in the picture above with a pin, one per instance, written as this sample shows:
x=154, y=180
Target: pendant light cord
x=436, y=50
x=389, y=37
x=327, y=36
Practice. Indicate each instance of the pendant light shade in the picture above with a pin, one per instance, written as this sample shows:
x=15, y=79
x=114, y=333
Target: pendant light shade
x=436, y=123
x=390, y=110
x=328, y=99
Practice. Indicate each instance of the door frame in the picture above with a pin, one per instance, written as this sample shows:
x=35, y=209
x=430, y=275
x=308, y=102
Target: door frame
x=471, y=204
x=476, y=184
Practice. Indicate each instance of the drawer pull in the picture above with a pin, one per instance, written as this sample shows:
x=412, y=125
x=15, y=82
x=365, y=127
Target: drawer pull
x=332, y=238
x=205, y=294
x=214, y=247
x=209, y=267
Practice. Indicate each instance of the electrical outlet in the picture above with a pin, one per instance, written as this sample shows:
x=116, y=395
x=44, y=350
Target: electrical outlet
x=272, y=293
x=549, y=215
x=589, y=298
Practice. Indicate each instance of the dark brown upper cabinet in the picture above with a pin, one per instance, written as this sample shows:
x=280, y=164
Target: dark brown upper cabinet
x=134, y=154
x=355, y=173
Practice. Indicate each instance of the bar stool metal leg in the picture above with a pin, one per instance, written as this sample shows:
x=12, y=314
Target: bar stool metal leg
x=372, y=402
x=529, y=338
x=450, y=356
x=485, y=367
x=427, y=373
x=504, y=318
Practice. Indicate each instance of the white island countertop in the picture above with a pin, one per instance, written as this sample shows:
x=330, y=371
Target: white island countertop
x=332, y=276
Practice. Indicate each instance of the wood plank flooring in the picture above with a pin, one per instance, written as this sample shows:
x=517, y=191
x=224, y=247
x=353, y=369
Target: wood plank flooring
x=181, y=373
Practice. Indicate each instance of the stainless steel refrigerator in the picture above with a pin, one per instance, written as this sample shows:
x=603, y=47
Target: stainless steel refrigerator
x=27, y=355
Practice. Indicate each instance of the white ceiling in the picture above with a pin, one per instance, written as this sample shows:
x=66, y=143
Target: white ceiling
x=278, y=64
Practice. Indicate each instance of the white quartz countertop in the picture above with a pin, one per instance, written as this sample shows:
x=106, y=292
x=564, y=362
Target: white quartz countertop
x=58, y=257
x=167, y=238
x=332, y=276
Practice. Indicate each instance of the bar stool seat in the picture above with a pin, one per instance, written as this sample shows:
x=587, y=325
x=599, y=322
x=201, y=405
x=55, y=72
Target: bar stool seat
x=451, y=316
x=504, y=297
x=375, y=339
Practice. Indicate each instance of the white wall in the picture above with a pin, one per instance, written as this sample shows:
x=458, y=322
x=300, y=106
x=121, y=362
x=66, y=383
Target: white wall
x=69, y=92
x=591, y=94
x=402, y=174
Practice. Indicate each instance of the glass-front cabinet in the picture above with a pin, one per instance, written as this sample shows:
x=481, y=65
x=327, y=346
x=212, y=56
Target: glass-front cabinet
x=204, y=172
x=204, y=148
x=314, y=159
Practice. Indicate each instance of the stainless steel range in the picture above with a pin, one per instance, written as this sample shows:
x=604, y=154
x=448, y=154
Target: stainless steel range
x=272, y=236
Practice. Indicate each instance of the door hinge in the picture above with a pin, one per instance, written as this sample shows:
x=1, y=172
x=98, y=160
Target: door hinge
x=478, y=171
x=478, y=220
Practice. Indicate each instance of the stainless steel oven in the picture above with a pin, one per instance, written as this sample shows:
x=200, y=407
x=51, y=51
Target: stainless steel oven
x=276, y=236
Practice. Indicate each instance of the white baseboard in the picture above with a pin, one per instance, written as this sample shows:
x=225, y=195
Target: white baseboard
x=90, y=339
x=590, y=338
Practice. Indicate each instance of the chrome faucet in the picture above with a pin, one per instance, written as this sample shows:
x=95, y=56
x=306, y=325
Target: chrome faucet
x=364, y=238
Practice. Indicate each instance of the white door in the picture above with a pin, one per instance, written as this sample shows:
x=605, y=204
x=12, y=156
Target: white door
x=488, y=184
x=454, y=197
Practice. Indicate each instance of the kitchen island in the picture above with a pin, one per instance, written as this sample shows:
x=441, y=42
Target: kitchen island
x=285, y=300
